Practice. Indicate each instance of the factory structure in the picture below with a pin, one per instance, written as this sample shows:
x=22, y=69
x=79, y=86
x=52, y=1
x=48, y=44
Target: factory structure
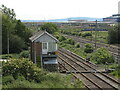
x=114, y=18
x=44, y=50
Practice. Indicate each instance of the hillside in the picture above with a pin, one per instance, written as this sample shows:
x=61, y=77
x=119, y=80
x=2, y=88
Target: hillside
x=65, y=19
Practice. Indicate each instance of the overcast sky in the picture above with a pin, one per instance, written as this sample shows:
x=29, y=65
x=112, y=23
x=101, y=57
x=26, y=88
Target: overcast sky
x=56, y=9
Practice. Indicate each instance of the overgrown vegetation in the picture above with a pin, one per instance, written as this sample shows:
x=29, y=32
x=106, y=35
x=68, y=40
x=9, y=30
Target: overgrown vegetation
x=116, y=73
x=101, y=56
x=88, y=48
x=22, y=73
x=101, y=36
x=71, y=45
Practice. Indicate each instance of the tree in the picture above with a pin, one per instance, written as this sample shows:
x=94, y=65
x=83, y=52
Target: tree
x=17, y=44
x=22, y=31
x=7, y=29
x=49, y=27
x=114, y=35
x=9, y=12
x=15, y=36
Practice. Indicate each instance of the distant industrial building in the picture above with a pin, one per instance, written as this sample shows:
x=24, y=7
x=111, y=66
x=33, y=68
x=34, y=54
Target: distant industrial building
x=113, y=18
x=77, y=21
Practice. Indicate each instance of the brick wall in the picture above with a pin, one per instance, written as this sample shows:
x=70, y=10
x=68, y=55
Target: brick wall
x=36, y=48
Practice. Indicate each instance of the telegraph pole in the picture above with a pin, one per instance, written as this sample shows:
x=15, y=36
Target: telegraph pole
x=8, y=51
x=95, y=34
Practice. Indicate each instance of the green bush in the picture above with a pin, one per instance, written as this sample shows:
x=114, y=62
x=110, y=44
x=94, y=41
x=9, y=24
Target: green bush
x=25, y=54
x=77, y=45
x=74, y=33
x=101, y=56
x=79, y=34
x=85, y=34
x=70, y=41
x=23, y=67
x=57, y=36
x=88, y=48
x=62, y=38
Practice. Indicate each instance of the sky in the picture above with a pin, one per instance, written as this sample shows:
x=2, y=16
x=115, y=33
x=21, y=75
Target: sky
x=57, y=9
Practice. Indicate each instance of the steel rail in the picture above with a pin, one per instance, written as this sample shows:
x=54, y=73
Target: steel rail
x=86, y=69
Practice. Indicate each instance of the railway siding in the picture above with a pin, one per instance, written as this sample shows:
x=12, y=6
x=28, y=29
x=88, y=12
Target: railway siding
x=90, y=73
x=113, y=49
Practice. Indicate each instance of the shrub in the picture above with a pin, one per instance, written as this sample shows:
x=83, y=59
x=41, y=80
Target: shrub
x=74, y=33
x=57, y=36
x=70, y=41
x=77, y=45
x=62, y=38
x=88, y=48
x=101, y=56
x=25, y=54
x=23, y=67
x=86, y=34
x=79, y=34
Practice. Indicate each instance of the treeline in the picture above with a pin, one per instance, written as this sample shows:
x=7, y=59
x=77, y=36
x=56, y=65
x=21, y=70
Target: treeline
x=15, y=36
x=114, y=35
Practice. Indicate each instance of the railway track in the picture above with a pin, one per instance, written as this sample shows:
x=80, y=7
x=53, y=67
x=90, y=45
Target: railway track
x=89, y=83
x=86, y=71
x=114, y=49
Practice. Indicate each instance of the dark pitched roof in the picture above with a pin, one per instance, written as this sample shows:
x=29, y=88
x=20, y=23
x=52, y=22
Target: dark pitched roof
x=39, y=34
